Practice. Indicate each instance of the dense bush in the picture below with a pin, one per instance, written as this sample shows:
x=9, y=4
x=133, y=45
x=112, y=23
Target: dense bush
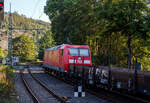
x=24, y=48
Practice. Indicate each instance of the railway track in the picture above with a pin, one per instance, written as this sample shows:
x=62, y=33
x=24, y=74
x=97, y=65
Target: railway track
x=33, y=95
x=108, y=94
x=50, y=96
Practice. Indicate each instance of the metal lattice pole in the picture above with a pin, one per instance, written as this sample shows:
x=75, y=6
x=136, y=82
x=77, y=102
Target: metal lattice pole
x=10, y=38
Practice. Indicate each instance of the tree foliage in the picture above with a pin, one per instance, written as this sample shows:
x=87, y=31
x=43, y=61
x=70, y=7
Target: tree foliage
x=24, y=48
x=45, y=42
x=129, y=17
x=70, y=19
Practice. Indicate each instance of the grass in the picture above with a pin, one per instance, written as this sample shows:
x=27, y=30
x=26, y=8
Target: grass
x=7, y=91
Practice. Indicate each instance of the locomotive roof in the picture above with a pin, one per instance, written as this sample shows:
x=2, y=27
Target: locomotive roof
x=62, y=46
x=54, y=48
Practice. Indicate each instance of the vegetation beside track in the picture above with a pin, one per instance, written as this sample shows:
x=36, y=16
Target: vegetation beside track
x=7, y=91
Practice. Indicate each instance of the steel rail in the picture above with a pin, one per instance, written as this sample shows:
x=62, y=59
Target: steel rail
x=47, y=89
x=30, y=91
x=131, y=97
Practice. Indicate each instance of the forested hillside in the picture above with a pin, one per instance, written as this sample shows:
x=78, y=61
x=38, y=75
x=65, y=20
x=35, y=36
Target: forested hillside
x=21, y=21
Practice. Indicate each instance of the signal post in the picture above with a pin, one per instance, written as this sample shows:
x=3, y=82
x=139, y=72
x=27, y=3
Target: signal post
x=1, y=11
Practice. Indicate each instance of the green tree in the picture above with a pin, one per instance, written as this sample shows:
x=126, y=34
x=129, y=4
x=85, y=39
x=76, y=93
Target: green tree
x=71, y=19
x=45, y=42
x=24, y=48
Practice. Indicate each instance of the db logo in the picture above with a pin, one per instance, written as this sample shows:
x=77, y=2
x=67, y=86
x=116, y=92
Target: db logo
x=79, y=61
x=79, y=58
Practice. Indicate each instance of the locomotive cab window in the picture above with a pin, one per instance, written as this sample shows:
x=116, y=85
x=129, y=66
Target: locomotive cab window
x=73, y=52
x=84, y=52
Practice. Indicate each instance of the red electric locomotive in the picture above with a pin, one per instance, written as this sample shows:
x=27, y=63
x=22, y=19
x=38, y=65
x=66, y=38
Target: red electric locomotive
x=68, y=59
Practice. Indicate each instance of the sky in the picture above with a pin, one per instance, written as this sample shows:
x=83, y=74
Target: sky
x=30, y=8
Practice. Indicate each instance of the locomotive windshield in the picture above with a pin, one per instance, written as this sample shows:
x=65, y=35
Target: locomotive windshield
x=84, y=52
x=78, y=52
x=73, y=52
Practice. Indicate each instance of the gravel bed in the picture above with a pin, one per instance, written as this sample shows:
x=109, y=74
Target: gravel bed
x=63, y=89
x=24, y=96
x=44, y=96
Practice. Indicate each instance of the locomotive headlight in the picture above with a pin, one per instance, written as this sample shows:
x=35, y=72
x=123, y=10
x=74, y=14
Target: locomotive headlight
x=72, y=61
x=86, y=61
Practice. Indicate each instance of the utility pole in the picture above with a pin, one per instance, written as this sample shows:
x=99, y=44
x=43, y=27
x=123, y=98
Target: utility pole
x=37, y=38
x=10, y=37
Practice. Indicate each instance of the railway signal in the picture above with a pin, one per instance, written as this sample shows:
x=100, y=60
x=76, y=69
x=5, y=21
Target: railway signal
x=1, y=10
